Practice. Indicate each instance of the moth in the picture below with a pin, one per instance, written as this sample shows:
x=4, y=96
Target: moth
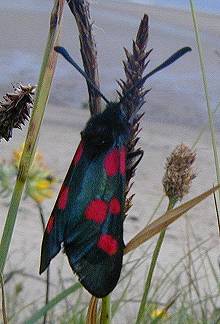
x=88, y=215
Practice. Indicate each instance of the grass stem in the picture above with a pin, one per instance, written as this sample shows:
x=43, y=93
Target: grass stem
x=142, y=310
x=106, y=310
x=47, y=295
x=42, y=94
x=205, y=85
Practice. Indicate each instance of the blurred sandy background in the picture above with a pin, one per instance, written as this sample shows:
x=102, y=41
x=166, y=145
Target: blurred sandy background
x=175, y=112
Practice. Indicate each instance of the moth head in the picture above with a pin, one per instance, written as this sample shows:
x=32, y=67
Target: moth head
x=103, y=129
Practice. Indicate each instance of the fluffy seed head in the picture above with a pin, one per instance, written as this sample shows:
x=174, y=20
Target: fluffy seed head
x=179, y=172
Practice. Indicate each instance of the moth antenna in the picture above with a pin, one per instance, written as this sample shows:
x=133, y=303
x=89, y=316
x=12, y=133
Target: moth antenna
x=166, y=63
x=61, y=50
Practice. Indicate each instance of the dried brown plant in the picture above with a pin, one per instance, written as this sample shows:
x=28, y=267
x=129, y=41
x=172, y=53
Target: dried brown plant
x=15, y=109
x=81, y=12
x=179, y=172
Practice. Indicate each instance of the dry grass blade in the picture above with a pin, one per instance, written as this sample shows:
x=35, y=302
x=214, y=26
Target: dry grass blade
x=217, y=213
x=165, y=220
x=80, y=10
x=4, y=313
x=92, y=311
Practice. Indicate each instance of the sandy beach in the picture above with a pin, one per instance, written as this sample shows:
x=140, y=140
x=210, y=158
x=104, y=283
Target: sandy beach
x=175, y=112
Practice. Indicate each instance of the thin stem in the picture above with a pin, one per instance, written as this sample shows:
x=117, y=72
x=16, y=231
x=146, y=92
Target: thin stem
x=156, y=209
x=42, y=94
x=106, y=310
x=91, y=317
x=52, y=303
x=10, y=222
x=154, y=259
x=4, y=312
x=204, y=128
x=205, y=85
x=47, y=295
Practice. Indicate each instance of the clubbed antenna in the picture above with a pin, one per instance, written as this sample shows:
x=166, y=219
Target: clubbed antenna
x=134, y=66
x=15, y=109
x=65, y=54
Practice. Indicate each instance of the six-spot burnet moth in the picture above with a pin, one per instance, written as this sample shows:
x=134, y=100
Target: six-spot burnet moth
x=89, y=212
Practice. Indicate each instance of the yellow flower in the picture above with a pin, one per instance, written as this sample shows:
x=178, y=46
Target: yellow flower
x=39, y=197
x=16, y=157
x=40, y=182
x=40, y=186
x=159, y=313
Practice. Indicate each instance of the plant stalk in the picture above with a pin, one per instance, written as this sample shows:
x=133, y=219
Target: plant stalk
x=42, y=94
x=106, y=310
x=47, y=295
x=205, y=86
x=154, y=259
x=4, y=311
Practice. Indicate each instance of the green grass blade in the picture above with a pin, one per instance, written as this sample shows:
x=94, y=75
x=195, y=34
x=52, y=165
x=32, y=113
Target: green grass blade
x=205, y=85
x=4, y=312
x=106, y=310
x=203, y=129
x=42, y=94
x=53, y=302
x=153, y=263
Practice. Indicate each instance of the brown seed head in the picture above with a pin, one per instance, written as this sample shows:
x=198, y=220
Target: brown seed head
x=15, y=109
x=179, y=172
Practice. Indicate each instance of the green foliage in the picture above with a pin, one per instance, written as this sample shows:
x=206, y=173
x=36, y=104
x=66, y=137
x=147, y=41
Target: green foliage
x=40, y=181
x=53, y=302
x=7, y=176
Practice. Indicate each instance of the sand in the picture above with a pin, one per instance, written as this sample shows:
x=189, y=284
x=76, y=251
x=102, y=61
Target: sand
x=175, y=112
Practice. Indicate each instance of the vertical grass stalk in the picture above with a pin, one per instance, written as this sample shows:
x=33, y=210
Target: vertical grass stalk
x=205, y=85
x=42, y=94
x=142, y=310
x=4, y=312
x=106, y=310
x=47, y=294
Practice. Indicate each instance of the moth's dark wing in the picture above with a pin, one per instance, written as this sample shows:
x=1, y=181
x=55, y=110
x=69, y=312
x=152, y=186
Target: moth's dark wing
x=97, y=272
x=54, y=232
x=94, y=233
x=88, y=218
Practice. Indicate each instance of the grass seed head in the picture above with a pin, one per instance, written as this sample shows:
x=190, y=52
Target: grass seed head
x=179, y=172
x=15, y=109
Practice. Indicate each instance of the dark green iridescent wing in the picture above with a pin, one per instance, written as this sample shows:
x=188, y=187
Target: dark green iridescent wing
x=88, y=218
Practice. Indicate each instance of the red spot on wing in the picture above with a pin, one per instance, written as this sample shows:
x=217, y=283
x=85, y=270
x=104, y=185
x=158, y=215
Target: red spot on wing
x=111, y=163
x=108, y=244
x=78, y=154
x=114, y=206
x=96, y=211
x=123, y=160
x=63, y=197
x=50, y=224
